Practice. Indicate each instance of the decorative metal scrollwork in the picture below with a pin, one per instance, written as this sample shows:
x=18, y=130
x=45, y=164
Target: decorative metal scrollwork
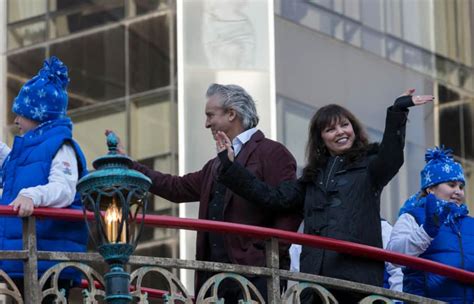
x=214, y=282
x=92, y=295
x=375, y=299
x=292, y=295
x=10, y=290
x=177, y=291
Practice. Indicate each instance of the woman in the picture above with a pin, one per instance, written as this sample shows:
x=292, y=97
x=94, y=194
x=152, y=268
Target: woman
x=433, y=224
x=340, y=187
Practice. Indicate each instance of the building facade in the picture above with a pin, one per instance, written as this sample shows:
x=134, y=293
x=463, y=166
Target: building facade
x=122, y=71
x=363, y=54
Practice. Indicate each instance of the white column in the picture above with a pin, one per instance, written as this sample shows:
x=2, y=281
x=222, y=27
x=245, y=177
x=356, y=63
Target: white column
x=226, y=42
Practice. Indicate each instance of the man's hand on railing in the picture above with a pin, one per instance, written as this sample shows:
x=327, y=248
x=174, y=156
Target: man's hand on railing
x=24, y=205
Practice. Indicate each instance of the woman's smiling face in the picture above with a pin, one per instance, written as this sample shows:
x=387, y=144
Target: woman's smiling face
x=339, y=136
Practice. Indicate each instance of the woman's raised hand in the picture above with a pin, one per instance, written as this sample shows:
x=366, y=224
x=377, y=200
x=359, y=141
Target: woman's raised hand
x=223, y=143
x=418, y=99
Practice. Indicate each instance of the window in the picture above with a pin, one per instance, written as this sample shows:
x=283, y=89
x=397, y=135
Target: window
x=71, y=16
x=149, y=54
x=96, y=66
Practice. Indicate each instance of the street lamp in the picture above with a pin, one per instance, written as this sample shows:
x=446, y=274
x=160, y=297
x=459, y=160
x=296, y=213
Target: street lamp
x=117, y=195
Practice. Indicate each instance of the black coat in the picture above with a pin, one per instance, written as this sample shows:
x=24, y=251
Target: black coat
x=344, y=204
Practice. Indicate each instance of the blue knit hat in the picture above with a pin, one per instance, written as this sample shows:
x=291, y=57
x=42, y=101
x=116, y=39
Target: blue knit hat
x=44, y=97
x=440, y=168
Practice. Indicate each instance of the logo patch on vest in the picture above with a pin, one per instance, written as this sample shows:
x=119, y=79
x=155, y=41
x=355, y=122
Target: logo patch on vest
x=67, y=168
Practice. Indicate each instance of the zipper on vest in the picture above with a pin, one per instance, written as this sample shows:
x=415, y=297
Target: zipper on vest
x=461, y=249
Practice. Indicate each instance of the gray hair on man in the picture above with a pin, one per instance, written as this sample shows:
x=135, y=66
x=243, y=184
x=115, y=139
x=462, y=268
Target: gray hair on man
x=236, y=98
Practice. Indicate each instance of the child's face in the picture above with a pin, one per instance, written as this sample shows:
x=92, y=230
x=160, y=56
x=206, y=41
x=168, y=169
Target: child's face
x=452, y=191
x=24, y=124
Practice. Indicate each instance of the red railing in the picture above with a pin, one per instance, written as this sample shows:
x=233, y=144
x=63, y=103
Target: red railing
x=266, y=233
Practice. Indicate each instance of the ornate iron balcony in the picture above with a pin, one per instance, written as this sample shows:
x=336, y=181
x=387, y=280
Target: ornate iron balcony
x=93, y=283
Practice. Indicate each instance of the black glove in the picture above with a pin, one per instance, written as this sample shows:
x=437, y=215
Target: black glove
x=225, y=161
x=403, y=103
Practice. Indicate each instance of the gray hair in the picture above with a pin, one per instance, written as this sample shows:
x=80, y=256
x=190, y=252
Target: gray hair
x=236, y=98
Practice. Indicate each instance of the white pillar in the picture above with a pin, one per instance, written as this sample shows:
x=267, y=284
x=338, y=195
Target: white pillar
x=227, y=42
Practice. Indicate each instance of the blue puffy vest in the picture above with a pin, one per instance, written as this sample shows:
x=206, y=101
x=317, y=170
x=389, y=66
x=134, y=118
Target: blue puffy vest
x=454, y=246
x=28, y=165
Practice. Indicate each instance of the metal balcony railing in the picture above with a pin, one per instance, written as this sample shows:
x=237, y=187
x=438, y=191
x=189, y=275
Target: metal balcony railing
x=35, y=289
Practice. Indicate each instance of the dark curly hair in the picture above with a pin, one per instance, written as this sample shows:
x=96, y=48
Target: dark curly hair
x=317, y=153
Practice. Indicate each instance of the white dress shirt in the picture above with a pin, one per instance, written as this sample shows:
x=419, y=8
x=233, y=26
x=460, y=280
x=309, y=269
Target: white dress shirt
x=241, y=139
x=60, y=190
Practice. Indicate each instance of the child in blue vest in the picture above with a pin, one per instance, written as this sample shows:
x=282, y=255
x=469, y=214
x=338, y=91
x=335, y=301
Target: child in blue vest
x=434, y=225
x=41, y=170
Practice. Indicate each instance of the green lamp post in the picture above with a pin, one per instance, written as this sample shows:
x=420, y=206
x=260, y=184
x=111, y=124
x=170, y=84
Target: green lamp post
x=117, y=195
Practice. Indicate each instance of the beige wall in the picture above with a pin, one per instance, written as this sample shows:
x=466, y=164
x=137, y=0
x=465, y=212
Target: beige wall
x=90, y=134
x=151, y=130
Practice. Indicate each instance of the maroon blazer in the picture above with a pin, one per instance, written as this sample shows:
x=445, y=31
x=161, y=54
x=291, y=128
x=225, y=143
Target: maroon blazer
x=270, y=161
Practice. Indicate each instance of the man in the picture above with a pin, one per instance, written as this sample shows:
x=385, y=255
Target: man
x=231, y=109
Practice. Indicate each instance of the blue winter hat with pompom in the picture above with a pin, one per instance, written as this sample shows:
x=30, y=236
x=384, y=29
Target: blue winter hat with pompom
x=440, y=168
x=44, y=97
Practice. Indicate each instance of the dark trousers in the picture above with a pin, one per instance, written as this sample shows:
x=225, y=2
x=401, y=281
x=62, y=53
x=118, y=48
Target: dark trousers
x=230, y=290
x=342, y=296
